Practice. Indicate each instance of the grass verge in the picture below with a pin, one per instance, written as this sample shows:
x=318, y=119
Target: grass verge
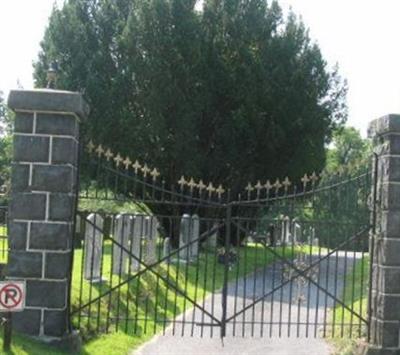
x=345, y=338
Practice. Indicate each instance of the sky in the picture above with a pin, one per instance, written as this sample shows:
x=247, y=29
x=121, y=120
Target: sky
x=362, y=36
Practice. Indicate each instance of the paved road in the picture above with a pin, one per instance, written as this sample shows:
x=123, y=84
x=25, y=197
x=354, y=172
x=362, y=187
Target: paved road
x=288, y=327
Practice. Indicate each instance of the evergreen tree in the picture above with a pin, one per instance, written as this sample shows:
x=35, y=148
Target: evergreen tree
x=231, y=93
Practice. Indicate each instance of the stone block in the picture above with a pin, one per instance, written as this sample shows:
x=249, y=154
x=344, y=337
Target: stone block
x=389, y=166
x=23, y=122
x=20, y=177
x=47, y=294
x=53, y=178
x=65, y=151
x=24, y=264
x=31, y=149
x=389, y=252
x=56, y=124
x=50, y=236
x=390, y=196
x=389, y=223
x=384, y=125
x=388, y=307
x=57, y=265
x=48, y=100
x=27, y=321
x=385, y=334
x=55, y=323
x=17, y=232
x=388, y=279
x=61, y=207
x=30, y=206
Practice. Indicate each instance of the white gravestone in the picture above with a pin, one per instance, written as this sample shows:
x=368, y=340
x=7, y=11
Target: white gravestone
x=151, y=240
x=167, y=249
x=136, y=241
x=184, y=237
x=93, y=247
x=211, y=241
x=194, y=236
x=285, y=237
x=296, y=232
x=121, y=236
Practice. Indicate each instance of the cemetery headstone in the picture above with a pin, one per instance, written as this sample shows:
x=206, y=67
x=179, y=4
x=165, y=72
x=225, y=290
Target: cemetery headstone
x=151, y=240
x=211, y=241
x=184, y=237
x=194, y=236
x=121, y=236
x=167, y=249
x=93, y=246
x=136, y=241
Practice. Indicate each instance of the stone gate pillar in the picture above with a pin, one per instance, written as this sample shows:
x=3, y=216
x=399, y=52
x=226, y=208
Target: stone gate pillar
x=385, y=286
x=42, y=206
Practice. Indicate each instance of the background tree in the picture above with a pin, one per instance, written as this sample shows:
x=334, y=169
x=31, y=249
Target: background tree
x=348, y=148
x=6, y=126
x=231, y=93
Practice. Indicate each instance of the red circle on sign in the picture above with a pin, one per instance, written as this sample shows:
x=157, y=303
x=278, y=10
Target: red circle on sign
x=15, y=302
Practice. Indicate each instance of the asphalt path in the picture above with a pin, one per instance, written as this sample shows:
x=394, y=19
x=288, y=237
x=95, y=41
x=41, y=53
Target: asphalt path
x=291, y=320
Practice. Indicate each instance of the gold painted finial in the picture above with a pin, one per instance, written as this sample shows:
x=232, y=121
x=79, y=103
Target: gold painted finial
x=118, y=160
x=136, y=166
x=108, y=154
x=127, y=162
x=99, y=150
x=90, y=147
x=182, y=182
x=155, y=174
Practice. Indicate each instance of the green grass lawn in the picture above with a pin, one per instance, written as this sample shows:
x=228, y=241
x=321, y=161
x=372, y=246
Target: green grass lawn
x=148, y=295
x=355, y=296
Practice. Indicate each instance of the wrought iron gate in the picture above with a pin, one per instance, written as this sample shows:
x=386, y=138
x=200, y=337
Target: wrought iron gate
x=281, y=259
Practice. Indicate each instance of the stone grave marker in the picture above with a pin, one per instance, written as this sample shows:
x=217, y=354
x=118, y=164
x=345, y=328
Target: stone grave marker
x=136, y=240
x=122, y=232
x=184, y=237
x=194, y=236
x=93, y=247
x=166, y=249
x=151, y=240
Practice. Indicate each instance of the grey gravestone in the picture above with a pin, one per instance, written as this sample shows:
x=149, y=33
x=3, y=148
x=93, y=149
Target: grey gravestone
x=297, y=232
x=167, y=249
x=184, y=237
x=78, y=224
x=121, y=235
x=315, y=242
x=93, y=247
x=211, y=241
x=194, y=236
x=136, y=241
x=151, y=240
x=285, y=231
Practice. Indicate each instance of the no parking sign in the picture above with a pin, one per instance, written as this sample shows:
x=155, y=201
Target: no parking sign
x=12, y=296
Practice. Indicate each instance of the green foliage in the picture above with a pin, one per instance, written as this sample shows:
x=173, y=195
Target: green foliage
x=349, y=150
x=6, y=128
x=230, y=93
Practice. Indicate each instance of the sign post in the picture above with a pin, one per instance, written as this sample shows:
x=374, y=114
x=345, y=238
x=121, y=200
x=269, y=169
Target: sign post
x=12, y=299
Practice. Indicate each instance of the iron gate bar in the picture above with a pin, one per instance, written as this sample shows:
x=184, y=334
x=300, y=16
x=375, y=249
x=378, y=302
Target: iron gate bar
x=302, y=273
x=226, y=269
x=147, y=268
